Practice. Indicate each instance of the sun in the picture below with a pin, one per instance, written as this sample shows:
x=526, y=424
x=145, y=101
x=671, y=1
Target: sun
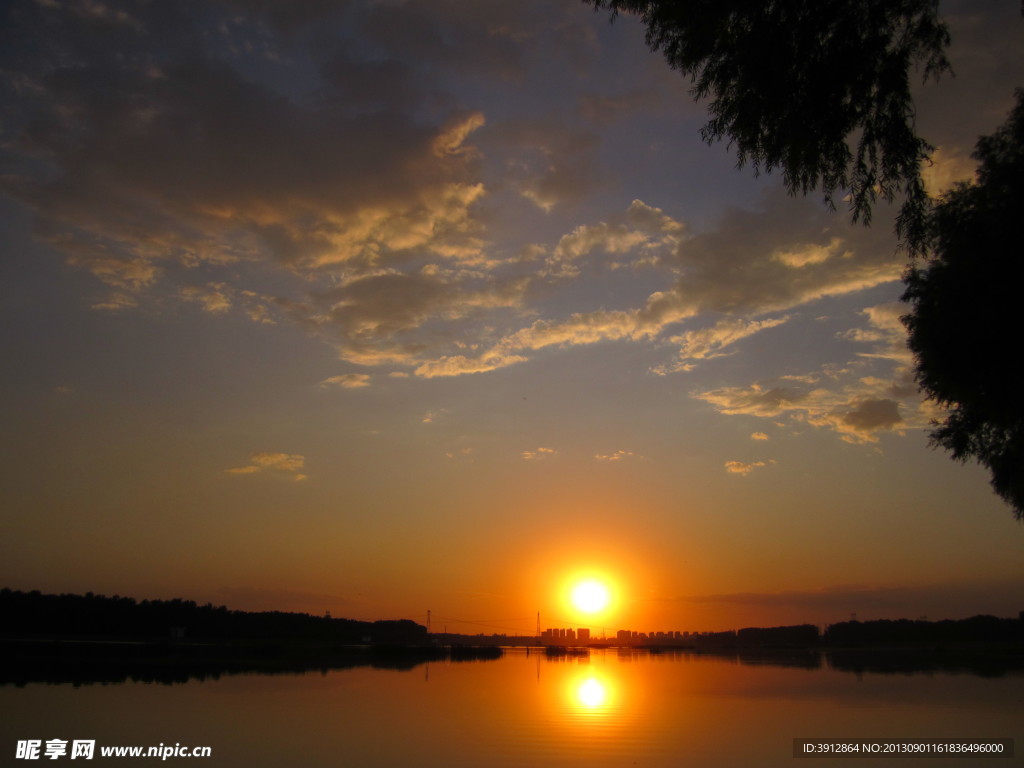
x=590, y=596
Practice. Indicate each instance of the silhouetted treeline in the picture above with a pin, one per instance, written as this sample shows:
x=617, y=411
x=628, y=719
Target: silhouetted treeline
x=801, y=634
x=857, y=634
x=977, y=629
x=89, y=615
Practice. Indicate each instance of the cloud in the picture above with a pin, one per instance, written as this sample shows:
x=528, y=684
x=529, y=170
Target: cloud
x=759, y=436
x=808, y=254
x=551, y=162
x=431, y=416
x=146, y=154
x=287, y=463
x=947, y=166
x=849, y=410
x=887, y=332
x=709, y=343
x=348, y=381
x=216, y=158
x=870, y=415
x=457, y=365
x=872, y=394
x=212, y=297
x=853, y=410
x=743, y=468
x=374, y=319
x=787, y=254
x=207, y=153
x=756, y=400
x=755, y=263
x=586, y=239
x=538, y=454
x=644, y=231
x=116, y=301
x=616, y=456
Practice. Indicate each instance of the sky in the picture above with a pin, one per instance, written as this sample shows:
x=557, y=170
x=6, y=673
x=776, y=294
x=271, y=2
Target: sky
x=380, y=307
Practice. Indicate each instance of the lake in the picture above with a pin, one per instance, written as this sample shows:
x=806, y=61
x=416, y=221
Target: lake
x=609, y=708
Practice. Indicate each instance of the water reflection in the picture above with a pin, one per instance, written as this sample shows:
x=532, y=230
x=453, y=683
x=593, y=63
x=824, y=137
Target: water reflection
x=82, y=663
x=607, y=709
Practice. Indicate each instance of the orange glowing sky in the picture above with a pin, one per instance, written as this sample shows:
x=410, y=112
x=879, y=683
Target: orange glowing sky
x=381, y=308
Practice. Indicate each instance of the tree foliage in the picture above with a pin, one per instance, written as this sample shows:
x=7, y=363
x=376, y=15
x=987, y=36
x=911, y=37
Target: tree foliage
x=966, y=321
x=819, y=89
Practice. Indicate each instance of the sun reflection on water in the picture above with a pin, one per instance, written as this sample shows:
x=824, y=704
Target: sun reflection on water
x=592, y=694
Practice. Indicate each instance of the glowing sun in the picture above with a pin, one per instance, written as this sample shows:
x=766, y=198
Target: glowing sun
x=590, y=596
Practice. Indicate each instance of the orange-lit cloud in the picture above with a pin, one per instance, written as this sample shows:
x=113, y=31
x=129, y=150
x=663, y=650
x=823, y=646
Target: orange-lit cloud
x=709, y=343
x=287, y=463
x=946, y=167
x=873, y=394
x=348, y=381
x=744, y=468
x=539, y=453
x=619, y=455
x=212, y=297
x=849, y=410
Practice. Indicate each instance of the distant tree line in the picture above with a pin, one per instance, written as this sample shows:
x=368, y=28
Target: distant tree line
x=881, y=633
x=97, y=616
x=977, y=629
x=802, y=634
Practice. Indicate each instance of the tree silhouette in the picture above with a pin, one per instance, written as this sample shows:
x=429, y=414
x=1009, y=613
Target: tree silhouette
x=966, y=322
x=819, y=89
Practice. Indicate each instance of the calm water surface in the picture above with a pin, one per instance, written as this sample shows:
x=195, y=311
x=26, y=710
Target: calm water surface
x=610, y=709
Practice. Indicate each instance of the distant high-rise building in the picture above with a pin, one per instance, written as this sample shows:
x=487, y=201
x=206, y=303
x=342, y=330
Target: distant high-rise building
x=583, y=634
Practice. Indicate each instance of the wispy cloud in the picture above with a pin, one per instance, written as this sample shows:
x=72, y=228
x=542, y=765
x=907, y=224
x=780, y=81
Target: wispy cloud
x=212, y=297
x=619, y=455
x=744, y=468
x=872, y=394
x=370, y=222
x=709, y=343
x=271, y=461
x=538, y=454
x=347, y=381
